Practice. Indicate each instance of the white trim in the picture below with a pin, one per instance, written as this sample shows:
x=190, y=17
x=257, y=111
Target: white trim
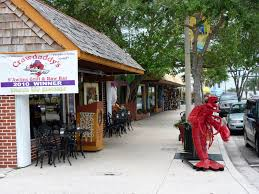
x=23, y=136
x=109, y=97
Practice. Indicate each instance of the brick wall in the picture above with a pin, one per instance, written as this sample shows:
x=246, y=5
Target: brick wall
x=33, y=149
x=8, y=157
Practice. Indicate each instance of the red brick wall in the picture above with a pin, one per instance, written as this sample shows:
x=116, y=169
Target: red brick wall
x=33, y=150
x=8, y=157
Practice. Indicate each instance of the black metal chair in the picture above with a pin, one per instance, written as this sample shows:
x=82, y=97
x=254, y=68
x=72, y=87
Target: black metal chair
x=64, y=150
x=72, y=141
x=118, y=123
x=62, y=143
x=123, y=114
x=111, y=127
x=129, y=121
x=44, y=145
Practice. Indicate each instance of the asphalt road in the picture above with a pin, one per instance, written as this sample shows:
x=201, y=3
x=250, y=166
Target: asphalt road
x=244, y=158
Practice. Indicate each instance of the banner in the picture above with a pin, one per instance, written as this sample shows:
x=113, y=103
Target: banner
x=204, y=30
x=39, y=73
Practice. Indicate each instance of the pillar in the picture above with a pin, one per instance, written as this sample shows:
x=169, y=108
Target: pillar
x=109, y=97
x=23, y=138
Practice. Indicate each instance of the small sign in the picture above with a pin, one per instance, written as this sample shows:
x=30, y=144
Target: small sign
x=39, y=73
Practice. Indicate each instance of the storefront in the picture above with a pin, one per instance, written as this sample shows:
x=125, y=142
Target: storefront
x=31, y=28
x=158, y=95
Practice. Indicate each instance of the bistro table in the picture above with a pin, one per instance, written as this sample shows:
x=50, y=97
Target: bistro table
x=78, y=132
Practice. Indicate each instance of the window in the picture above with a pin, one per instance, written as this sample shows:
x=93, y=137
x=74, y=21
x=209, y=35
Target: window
x=160, y=96
x=151, y=97
x=45, y=108
x=122, y=94
x=237, y=108
x=140, y=98
x=252, y=109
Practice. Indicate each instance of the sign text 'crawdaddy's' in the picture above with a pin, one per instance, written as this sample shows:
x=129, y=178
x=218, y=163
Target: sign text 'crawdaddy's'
x=41, y=73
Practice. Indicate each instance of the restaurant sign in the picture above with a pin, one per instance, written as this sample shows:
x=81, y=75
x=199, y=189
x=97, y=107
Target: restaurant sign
x=39, y=73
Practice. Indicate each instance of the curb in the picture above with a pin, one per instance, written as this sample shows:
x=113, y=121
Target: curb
x=239, y=178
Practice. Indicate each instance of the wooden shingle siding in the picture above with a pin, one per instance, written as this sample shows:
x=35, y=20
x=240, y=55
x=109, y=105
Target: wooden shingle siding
x=18, y=33
x=8, y=17
x=5, y=10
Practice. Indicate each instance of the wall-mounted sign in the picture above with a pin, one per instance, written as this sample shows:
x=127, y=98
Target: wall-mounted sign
x=39, y=73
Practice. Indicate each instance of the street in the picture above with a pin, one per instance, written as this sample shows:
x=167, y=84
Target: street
x=244, y=158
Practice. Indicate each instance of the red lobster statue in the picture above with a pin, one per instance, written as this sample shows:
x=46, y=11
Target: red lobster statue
x=203, y=121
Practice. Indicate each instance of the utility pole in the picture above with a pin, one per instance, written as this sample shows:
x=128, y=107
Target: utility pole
x=188, y=97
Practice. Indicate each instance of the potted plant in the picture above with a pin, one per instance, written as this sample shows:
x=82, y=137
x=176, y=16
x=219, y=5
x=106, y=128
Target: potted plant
x=181, y=126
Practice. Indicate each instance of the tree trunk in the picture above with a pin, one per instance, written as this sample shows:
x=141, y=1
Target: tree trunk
x=202, y=95
x=197, y=71
x=240, y=81
x=197, y=87
x=134, y=88
x=238, y=91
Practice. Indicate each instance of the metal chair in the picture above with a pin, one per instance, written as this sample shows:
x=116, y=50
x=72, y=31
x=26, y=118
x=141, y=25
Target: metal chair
x=44, y=145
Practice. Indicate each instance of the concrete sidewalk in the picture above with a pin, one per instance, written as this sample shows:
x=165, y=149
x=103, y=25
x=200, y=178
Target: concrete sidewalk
x=140, y=162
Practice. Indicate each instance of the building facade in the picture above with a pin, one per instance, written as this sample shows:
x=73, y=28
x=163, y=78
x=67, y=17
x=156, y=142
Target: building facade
x=34, y=27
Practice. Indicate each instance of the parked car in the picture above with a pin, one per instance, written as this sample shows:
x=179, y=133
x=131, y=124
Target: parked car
x=236, y=116
x=251, y=123
x=225, y=102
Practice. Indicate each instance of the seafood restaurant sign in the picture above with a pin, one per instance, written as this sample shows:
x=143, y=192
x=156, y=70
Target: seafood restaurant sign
x=41, y=73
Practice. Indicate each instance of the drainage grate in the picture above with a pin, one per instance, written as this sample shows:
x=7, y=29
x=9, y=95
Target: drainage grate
x=254, y=165
x=168, y=149
x=112, y=173
x=188, y=156
x=109, y=174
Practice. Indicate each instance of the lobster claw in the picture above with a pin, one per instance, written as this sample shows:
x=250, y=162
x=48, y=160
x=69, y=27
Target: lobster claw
x=224, y=132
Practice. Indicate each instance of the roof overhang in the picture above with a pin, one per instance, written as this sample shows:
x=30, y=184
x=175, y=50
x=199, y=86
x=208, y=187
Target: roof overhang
x=162, y=82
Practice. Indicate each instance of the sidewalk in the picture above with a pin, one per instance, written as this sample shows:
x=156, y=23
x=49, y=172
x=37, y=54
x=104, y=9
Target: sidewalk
x=140, y=162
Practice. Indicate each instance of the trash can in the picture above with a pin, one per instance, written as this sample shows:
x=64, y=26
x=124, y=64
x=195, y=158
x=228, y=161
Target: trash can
x=188, y=143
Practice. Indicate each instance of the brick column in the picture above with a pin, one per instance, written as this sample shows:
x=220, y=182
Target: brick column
x=8, y=156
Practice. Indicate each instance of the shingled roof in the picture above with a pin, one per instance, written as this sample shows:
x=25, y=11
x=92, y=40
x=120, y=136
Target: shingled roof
x=84, y=37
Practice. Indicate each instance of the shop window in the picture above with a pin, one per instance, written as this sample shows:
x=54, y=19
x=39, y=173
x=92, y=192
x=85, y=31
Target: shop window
x=140, y=98
x=151, y=98
x=45, y=109
x=160, y=97
x=122, y=94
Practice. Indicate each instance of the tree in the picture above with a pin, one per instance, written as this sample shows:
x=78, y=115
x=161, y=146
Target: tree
x=152, y=31
x=212, y=76
x=252, y=84
x=148, y=30
x=217, y=13
x=237, y=49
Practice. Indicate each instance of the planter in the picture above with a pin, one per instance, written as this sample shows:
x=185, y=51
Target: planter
x=181, y=129
x=157, y=110
x=132, y=108
x=141, y=116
